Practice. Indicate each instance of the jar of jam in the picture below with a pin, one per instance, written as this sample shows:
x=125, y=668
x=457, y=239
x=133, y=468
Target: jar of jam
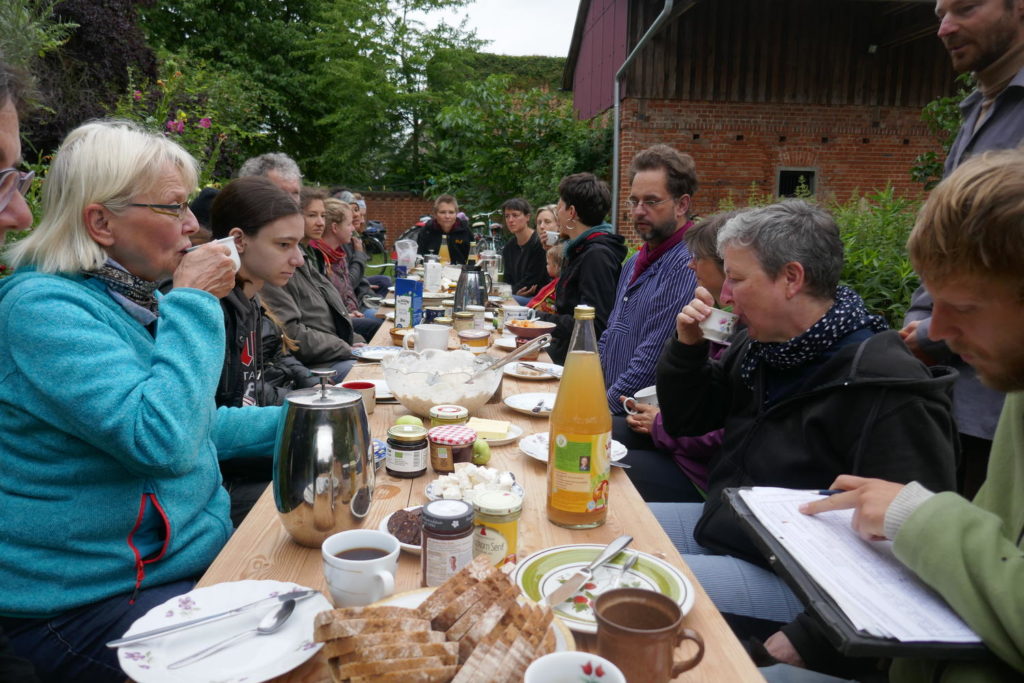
x=407, y=451
x=450, y=444
x=496, y=531
x=447, y=544
x=444, y=320
x=449, y=307
x=448, y=414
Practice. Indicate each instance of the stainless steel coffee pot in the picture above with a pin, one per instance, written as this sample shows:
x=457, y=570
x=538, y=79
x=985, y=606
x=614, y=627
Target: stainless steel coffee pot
x=472, y=288
x=323, y=462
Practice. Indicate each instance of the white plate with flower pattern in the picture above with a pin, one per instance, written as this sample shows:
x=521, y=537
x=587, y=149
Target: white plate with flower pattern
x=250, y=660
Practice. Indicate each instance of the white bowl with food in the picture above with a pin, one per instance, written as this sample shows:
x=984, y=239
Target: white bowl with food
x=421, y=380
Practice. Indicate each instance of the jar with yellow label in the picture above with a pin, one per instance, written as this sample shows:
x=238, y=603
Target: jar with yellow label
x=496, y=526
x=448, y=414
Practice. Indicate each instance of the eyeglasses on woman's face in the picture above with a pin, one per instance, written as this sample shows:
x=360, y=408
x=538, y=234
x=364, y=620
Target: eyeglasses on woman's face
x=13, y=181
x=176, y=210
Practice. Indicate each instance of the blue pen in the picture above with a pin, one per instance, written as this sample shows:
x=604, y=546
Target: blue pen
x=830, y=492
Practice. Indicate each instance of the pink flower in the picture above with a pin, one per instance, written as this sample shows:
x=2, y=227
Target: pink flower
x=204, y=122
x=176, y=126
x=137, y=95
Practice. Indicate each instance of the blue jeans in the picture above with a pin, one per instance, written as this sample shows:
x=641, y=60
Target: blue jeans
x=71, y=646
x=522, y=300
x=368, y=325
x=735, y=586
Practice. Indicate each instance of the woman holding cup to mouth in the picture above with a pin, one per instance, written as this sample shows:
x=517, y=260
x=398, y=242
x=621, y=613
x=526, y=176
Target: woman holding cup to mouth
x=110, y=490
x=657, y=459
x=813, y=387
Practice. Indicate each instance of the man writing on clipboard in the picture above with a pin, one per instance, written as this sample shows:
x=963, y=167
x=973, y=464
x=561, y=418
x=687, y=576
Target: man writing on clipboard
x=968, y=247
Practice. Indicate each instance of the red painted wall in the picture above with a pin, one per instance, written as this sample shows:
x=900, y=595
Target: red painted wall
x=867, y=147
x=602, y=52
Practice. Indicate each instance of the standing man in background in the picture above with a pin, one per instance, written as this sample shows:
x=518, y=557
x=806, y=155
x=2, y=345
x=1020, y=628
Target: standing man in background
x=986, y=38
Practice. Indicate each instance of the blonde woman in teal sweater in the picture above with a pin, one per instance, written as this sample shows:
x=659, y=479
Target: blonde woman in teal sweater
x=110, y=495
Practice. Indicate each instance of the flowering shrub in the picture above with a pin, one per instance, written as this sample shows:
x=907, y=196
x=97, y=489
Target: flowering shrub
x=211, y=115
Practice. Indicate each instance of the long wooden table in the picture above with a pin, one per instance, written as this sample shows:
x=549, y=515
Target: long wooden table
x=262, y=549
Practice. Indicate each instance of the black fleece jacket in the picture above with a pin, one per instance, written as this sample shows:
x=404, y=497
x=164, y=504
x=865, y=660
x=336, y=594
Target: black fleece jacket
x=429, y=240
x=589, y=276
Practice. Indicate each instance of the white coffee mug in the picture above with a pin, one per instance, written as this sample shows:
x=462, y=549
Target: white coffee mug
x=518, y=312
x=429, y=336
x=567, y=666
x=647, y=395
x=356, y=582
x=718, y=326
x=552, y=236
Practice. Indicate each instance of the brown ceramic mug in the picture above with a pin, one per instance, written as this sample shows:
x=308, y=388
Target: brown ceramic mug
x=640, y=631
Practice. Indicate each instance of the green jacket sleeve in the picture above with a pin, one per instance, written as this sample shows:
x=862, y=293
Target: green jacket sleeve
x=972, y=559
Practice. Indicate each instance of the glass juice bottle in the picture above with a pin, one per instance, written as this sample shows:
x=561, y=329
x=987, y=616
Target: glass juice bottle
x=444, y=256
x=580, y=437
x=471, y=259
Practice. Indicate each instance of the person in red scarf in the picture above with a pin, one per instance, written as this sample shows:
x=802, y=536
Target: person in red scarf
x=334, y=264
x=544, y=300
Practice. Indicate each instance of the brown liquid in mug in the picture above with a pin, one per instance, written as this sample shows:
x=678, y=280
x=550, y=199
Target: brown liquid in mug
x=632, y=615
x=361, y=554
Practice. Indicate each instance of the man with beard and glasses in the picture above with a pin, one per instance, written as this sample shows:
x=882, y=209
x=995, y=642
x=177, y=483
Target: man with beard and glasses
x=986, y=38
x=968, y=246
x=655, y=283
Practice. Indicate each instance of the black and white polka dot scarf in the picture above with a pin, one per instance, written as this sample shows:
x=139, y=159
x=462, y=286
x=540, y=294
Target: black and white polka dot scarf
x=847, y=315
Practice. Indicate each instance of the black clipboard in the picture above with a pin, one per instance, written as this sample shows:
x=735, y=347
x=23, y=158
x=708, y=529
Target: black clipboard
x=839, y=630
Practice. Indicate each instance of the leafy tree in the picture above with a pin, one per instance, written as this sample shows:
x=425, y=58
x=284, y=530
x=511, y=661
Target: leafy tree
x=84, y=76
x=372, y=80
x=494, y=143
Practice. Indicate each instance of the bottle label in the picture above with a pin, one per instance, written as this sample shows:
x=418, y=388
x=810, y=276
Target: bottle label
x=406, y=461
x=580, y=477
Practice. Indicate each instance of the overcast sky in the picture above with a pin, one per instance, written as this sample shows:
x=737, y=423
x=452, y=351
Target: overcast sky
x=518, y=27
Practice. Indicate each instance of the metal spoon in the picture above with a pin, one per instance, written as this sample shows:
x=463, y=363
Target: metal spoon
x=268, y=624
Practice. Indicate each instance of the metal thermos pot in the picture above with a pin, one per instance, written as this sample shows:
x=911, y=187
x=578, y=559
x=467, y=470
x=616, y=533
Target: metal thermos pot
x=323, y=462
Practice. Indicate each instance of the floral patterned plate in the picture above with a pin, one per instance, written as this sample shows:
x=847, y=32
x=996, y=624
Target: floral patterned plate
x=544, y=571
x=251, y=660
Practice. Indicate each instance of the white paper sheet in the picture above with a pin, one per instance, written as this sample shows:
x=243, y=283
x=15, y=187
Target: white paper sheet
x=878, y=593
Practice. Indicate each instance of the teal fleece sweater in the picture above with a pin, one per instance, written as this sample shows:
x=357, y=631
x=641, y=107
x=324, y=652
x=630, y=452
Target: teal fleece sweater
x=102, y=423
x=971, y=553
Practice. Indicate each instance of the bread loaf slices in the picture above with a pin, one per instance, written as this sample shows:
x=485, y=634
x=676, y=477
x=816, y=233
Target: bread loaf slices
x=441, y=674
x=354, y=627
x=449, y=652
x=477, y=570
x=339, y=647
x=368, y=669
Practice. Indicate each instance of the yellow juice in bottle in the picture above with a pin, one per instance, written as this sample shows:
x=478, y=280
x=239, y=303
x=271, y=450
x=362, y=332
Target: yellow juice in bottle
x=443, y=255
x=579, y=441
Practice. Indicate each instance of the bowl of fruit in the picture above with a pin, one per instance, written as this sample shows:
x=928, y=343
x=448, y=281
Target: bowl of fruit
x=528, y=329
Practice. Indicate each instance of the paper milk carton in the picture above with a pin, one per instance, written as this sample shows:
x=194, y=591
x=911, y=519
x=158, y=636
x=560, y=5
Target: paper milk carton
x=408, y=302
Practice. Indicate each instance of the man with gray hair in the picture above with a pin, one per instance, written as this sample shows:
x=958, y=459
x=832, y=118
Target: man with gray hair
x=813, y=387
x=279, y=168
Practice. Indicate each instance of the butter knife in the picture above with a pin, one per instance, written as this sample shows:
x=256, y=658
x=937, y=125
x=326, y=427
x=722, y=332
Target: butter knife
x=569, y=588
x=181, y=626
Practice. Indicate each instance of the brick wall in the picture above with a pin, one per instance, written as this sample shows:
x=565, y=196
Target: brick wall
x=396, y=210
x=852, y=149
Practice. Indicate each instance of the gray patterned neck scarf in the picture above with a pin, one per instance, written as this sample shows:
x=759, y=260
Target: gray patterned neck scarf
x=135, y=289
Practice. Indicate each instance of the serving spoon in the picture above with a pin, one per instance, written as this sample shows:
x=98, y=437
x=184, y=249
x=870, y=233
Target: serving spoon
x=269, y=624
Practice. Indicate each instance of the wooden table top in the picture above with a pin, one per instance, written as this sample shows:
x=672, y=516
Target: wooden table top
x=261, y=549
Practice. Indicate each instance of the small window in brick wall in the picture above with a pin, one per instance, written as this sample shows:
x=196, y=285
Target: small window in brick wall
x=794, y=182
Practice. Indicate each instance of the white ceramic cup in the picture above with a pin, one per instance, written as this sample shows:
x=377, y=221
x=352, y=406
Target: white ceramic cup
x=518, y=312
x=429, y=336
x=360, y=582
x=368, y=390
x=572, y=666
x=718, y=325
x=647, y=395
x=228, y=242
